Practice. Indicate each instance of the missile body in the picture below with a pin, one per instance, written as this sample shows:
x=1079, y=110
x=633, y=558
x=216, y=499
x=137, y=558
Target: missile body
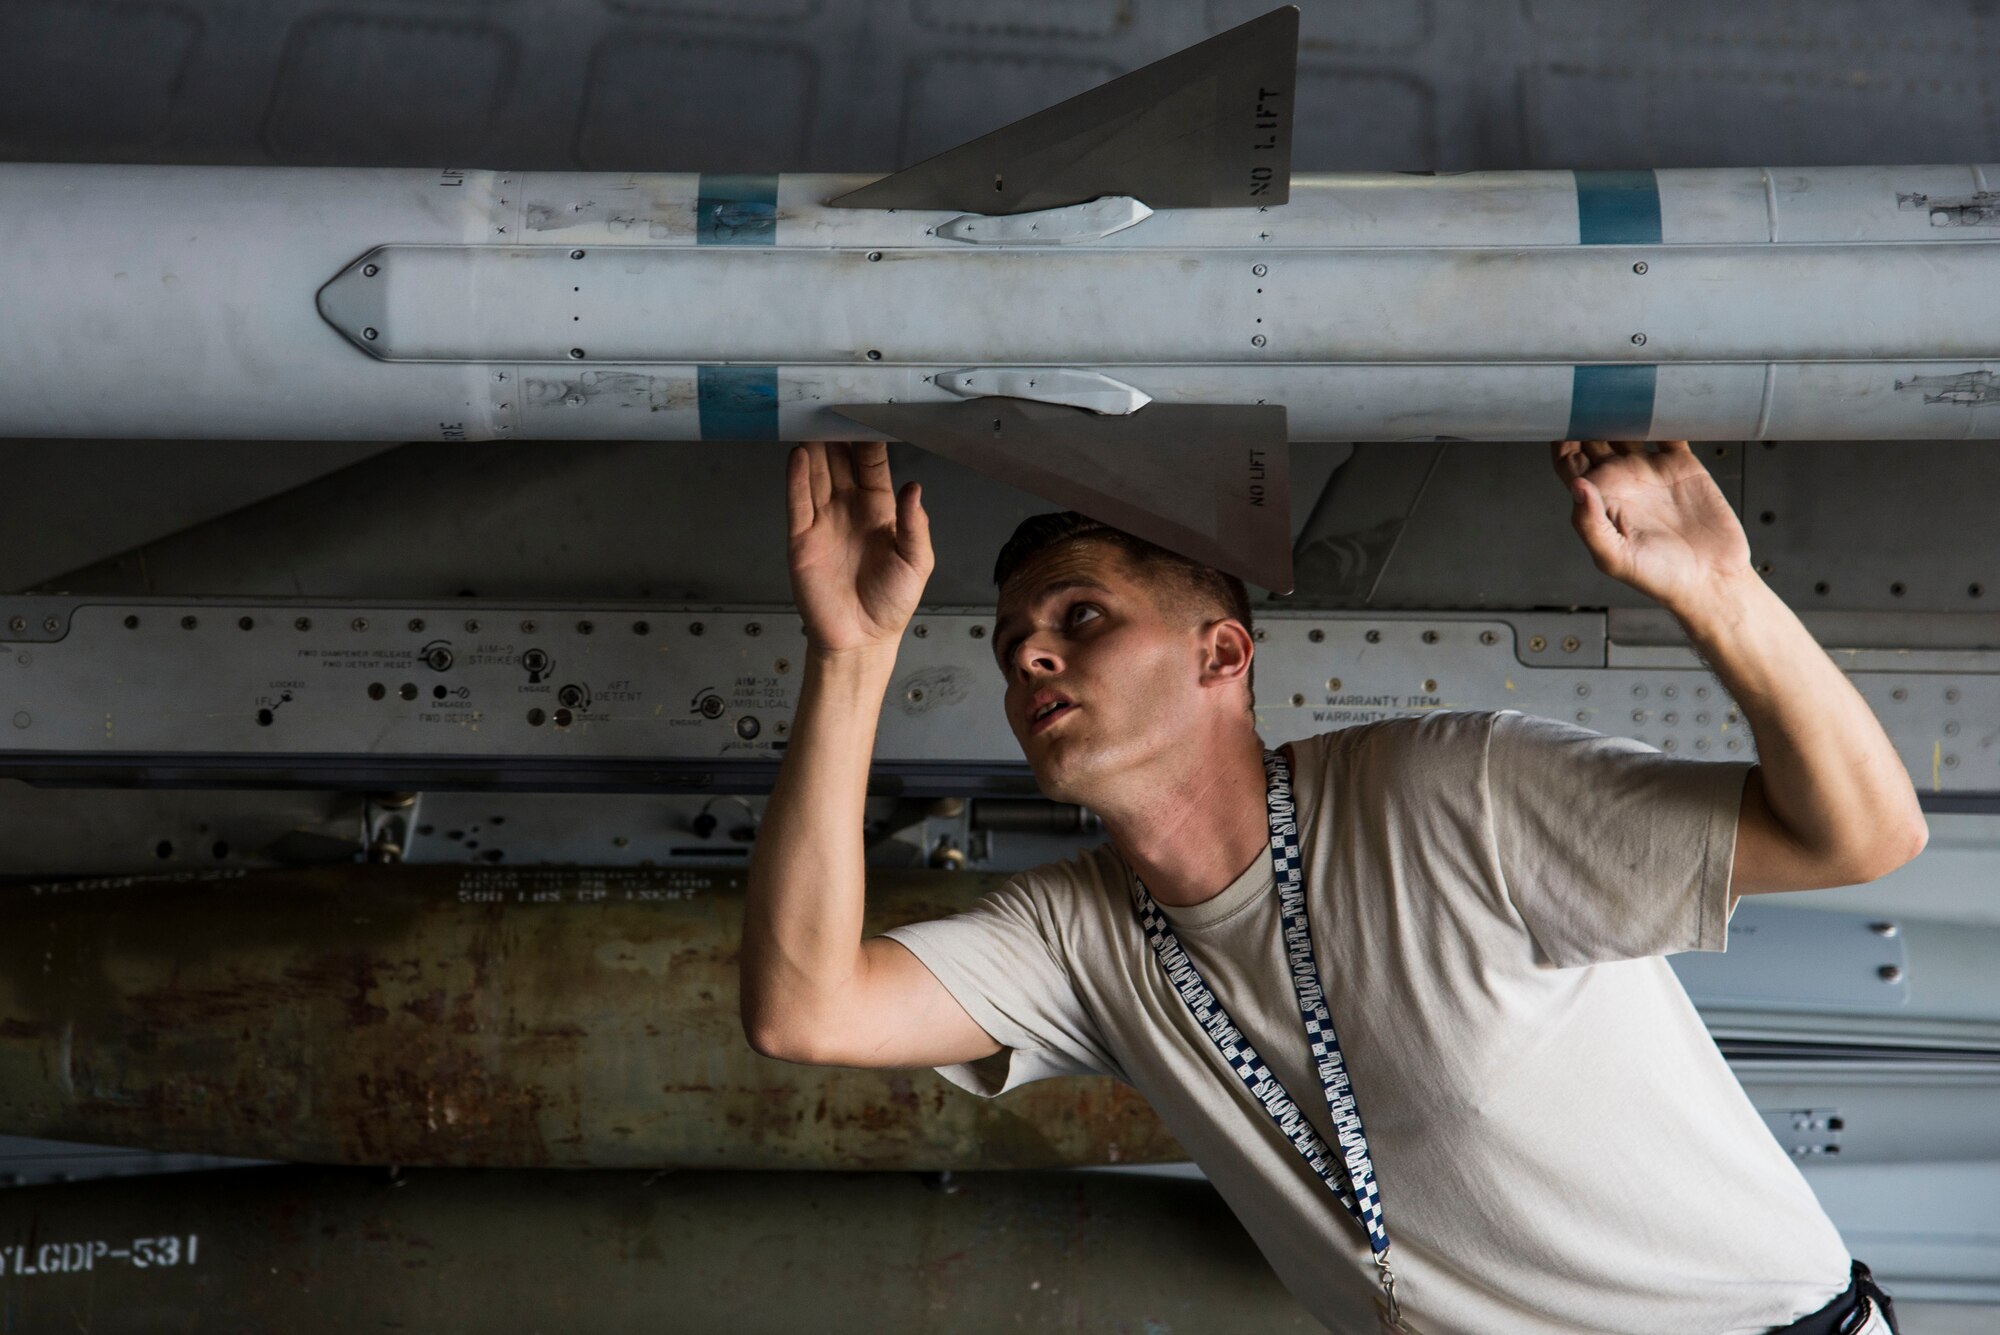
x=448, y=1016
x=257, y=1251
x=283, y=303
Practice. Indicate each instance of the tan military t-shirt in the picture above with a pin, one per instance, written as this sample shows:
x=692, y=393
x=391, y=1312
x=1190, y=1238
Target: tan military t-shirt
x=1559, y=1143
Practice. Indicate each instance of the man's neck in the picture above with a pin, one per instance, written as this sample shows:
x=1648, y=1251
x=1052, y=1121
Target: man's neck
x=1189, y=837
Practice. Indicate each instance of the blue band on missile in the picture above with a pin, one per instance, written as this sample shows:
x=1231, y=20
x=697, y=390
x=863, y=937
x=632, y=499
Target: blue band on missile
x=737, y=402
x=736, y=210
x=1612, y=403
x=1617, y=209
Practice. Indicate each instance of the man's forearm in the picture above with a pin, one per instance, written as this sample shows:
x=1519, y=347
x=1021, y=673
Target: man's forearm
x=1830, y=774
x=802, y=919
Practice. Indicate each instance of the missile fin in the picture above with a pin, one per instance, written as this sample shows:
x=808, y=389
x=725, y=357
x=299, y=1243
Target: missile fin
x=1207, y=127
x=1210, y=481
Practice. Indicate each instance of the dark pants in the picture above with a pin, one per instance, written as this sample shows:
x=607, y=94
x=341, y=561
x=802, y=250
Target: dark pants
x=1846, y=1312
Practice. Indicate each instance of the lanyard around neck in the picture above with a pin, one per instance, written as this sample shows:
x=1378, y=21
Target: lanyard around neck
x=1356, y=1188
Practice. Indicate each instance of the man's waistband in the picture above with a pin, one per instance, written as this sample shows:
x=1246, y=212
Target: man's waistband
x=1846, y=1311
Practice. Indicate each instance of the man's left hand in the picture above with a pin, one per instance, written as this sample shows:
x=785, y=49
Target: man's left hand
x=1652, y=518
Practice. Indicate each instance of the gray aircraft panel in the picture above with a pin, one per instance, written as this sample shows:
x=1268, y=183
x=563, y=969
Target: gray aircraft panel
x=132, y=500
x=402, y=694
x=1428, y=85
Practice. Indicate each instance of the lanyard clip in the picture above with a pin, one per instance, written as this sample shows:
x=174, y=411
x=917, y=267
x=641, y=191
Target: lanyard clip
x=1388, y=1278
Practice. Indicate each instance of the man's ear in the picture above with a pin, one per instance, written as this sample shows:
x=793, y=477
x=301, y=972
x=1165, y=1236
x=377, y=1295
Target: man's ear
x=1227, y=651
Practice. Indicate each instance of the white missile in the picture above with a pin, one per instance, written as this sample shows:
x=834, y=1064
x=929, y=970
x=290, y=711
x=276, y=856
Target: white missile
x=1135, y=315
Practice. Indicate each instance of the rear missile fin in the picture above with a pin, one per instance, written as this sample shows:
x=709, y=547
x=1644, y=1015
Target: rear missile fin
x=1208, y=127
x=1210, y=481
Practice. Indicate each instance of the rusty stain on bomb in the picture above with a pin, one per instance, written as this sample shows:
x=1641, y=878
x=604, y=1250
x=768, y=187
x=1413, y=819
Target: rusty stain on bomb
x=461, y=1017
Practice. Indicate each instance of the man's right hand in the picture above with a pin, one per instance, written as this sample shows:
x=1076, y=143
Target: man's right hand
x=813, y=989
x=860, y=552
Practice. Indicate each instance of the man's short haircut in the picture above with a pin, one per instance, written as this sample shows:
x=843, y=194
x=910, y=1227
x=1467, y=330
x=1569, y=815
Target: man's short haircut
x=1183, y=587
